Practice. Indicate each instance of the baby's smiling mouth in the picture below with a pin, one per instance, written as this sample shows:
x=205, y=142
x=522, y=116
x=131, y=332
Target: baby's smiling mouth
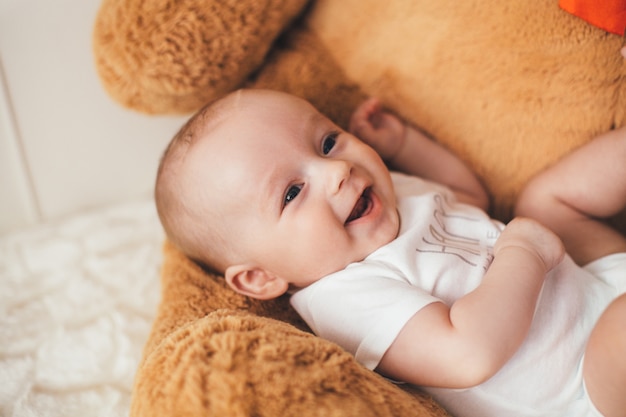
x=362, y=207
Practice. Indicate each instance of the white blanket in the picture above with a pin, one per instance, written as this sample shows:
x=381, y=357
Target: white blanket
x=77, y=299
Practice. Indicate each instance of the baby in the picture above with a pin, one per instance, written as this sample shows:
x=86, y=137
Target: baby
x=407, y=272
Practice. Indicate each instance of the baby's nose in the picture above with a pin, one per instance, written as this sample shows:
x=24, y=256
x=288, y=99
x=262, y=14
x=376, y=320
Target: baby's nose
x=338, y=172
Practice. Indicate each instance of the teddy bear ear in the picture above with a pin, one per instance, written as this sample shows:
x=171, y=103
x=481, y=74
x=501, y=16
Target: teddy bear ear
x=155, y=58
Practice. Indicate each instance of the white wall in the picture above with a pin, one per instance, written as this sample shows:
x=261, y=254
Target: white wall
x=64, y=144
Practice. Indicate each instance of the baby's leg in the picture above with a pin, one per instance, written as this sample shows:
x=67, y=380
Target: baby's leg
x=572, y=197
x=605, y=362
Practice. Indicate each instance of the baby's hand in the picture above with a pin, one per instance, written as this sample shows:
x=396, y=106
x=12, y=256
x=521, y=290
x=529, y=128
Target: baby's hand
x=532, y=236
x=381, y=130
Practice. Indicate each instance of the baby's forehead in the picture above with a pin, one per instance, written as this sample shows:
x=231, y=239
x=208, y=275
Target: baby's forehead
x=241, y=158
x=266, y=120
x=255, y=131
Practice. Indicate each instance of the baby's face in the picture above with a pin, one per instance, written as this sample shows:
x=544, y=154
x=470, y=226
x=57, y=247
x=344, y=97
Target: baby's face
x=298, y=196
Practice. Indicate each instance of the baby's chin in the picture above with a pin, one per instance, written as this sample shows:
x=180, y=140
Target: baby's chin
x=382, y=240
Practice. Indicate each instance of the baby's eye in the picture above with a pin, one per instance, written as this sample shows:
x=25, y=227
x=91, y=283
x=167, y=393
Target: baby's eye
x=292, y=192
x=329, y=143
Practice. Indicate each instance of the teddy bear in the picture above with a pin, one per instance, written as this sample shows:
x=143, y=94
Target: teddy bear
x=508, y=85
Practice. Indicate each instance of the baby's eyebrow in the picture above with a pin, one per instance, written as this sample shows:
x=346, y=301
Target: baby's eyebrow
x=271, y=193
x=314, y=119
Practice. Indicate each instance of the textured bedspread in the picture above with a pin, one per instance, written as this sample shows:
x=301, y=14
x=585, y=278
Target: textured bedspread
x=76, y=303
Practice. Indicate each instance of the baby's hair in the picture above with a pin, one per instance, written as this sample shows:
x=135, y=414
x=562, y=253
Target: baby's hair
x=193, y=231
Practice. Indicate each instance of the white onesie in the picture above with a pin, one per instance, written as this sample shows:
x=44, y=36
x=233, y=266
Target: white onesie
x=441, y=253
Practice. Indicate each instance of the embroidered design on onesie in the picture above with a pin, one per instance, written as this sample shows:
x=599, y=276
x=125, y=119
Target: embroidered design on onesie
x=446, y=236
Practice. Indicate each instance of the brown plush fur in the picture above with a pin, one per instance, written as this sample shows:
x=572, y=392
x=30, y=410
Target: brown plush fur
x=509, y=85
x=167, y=56
x=215, y=353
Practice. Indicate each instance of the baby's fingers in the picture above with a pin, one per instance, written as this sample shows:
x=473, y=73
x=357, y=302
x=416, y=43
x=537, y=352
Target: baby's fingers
x=531, y=235
x=364, y=114
x=381, y=130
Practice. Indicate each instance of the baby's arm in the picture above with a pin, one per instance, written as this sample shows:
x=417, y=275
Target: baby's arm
x=467, y=343
x=408, y=150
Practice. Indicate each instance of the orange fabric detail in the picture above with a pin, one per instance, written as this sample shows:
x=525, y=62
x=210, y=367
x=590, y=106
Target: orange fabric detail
x=609, y=15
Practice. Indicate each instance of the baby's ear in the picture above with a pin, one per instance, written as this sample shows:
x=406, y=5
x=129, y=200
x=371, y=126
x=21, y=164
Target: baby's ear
x=255, y=282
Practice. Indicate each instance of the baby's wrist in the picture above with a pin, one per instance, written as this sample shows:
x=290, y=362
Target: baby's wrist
x=401, y=140
x=525, y=255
